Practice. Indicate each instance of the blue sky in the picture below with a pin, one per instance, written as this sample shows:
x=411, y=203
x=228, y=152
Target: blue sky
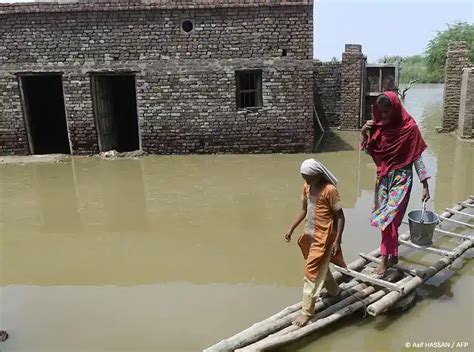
x=389, y=27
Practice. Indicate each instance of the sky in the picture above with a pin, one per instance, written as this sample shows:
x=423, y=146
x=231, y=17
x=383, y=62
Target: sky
x=383, y=27
x=388, y=27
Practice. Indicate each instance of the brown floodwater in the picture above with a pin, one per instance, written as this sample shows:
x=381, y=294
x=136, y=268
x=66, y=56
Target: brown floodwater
x=174, y=253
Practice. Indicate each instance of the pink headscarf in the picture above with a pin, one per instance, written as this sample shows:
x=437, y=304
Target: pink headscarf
x=396, y=144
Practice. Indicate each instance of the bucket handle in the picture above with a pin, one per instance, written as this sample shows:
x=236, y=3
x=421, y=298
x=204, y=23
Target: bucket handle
x=423, y=212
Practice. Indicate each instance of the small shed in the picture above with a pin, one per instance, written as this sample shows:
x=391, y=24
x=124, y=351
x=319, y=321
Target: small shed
x=378, y=78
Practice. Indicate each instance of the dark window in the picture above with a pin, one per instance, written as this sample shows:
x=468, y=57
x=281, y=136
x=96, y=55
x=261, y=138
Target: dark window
x=249, y=89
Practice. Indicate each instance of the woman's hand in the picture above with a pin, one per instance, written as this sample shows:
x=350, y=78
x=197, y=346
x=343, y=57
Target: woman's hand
x=425, y=195
x=288, y=235
x=365, y=132
x=336, y=247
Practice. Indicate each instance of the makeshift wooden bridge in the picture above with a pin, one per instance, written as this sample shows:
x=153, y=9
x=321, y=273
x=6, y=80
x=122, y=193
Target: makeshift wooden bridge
x=360, y=290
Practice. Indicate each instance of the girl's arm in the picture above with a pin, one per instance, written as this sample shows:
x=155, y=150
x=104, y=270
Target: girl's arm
x=301, y=217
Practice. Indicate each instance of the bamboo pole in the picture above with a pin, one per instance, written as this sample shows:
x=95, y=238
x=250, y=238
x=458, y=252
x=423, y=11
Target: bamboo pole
x=391, y=298
x=333, y=314
x=452, y=211
x=456, y=221
x=454, y=234
x=370, y=279
x=460, y=206
x=427, y=249
x=357, y=264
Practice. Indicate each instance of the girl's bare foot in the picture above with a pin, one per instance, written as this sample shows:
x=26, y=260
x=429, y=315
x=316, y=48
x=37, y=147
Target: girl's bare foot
x=382, y=266
x=3, y=335
x=302, y=320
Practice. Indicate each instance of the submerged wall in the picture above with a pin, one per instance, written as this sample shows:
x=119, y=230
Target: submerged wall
x=327, y=91
x=457, y=58
x=466, y=105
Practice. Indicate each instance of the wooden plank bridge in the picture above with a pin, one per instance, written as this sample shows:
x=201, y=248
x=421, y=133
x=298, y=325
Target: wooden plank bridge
x=360, y=289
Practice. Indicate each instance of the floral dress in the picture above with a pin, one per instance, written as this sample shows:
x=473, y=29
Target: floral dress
x=390, y=193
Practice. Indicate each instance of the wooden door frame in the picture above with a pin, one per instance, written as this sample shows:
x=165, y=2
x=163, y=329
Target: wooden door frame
x=93, y=85
x=26, y=109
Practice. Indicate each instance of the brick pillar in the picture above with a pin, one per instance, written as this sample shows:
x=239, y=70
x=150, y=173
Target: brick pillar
x=351, y=85
x=456, y=60
x=466, y=109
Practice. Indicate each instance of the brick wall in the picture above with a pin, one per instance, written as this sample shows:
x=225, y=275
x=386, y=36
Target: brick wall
x=351, y=86
x=466, y=109
x=13, y=138
x=185, y=81
x=327, y=91
x=456, y=60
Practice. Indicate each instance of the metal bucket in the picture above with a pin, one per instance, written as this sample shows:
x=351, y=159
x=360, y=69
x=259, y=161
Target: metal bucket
x=421, y=232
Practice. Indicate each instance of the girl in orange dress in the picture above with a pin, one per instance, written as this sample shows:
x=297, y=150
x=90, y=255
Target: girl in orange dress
x=320, y=242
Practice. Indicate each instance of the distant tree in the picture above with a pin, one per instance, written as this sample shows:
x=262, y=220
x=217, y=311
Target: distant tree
x=437, y=47
x=412, y=68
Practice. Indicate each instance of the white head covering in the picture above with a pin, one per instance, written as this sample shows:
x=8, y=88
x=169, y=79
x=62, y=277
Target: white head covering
x=312, y=167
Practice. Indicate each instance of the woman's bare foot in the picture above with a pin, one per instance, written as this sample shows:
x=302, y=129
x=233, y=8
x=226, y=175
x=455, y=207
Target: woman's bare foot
x=3, y=335
x=382, y=266
x=302, y=320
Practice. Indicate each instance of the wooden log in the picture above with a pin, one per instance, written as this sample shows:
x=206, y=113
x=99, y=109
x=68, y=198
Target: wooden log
x=426, y=248
x=398, y=266
x=467, y=205
x=447, y=214
x=456, y=222
x=367, y=278
x=279, y=321
x=392, y=297
x=452, y=211
x=277, y=341
x=356, y=265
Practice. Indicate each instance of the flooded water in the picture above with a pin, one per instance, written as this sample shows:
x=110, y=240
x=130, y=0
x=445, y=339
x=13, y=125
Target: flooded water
x=176, y=253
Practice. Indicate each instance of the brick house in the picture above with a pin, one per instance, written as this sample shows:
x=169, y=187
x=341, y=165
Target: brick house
x=166, y=77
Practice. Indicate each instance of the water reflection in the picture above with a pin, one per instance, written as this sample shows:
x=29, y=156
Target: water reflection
x=57, y=200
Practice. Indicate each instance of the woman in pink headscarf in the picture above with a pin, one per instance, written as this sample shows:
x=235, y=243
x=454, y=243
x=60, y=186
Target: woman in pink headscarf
x=395, y=143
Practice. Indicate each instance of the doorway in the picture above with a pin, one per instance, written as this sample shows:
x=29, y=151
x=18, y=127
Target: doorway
x=44, y=112
x=115, y=108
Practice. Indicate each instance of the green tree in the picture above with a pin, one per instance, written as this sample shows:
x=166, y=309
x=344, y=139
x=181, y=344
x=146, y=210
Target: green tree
x=438, y=46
